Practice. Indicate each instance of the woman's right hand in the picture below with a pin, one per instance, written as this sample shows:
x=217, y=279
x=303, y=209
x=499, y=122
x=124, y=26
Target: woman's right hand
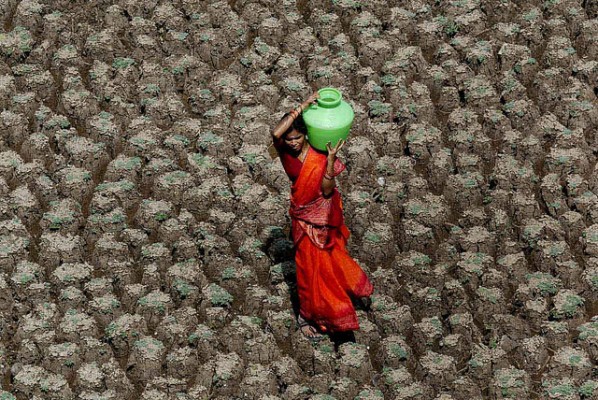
x=312, y=99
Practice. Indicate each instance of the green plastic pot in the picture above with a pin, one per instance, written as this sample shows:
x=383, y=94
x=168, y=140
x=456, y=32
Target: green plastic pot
x=329, y=120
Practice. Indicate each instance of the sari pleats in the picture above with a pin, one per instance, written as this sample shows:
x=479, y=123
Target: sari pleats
x=326, y=281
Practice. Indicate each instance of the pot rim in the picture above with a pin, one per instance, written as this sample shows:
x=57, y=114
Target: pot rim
x=329, y=97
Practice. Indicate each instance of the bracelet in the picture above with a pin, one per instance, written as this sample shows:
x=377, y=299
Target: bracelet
x=328, y=177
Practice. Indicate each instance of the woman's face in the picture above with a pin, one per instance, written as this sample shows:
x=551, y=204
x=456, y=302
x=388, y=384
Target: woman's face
x=294, y=140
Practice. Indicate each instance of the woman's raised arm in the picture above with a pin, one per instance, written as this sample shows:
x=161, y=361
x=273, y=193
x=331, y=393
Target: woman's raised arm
x=286, y=122
x=328, y=182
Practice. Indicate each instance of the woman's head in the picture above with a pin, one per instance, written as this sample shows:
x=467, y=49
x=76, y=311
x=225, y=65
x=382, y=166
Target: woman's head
x=294, y=137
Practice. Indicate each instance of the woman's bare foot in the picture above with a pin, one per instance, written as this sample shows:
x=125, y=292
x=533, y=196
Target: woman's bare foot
x=309, y=331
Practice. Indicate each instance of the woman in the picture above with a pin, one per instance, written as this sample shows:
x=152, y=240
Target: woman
x=327, y=277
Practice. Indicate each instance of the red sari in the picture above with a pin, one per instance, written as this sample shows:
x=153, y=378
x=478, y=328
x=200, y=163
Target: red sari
x=327, y=276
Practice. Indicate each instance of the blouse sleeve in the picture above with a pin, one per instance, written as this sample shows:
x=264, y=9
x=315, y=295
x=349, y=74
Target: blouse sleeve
x=338, y=167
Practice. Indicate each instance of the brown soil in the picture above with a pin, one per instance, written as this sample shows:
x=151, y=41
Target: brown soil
x=144, y=235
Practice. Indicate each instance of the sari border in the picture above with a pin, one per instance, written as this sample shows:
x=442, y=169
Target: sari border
x=364, y=287
x=342, y=323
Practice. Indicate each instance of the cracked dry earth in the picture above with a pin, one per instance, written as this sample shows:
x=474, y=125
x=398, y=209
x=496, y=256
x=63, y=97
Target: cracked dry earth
x=144, y=248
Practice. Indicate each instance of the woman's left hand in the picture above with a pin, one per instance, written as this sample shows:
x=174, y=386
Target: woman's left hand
x=332, y=151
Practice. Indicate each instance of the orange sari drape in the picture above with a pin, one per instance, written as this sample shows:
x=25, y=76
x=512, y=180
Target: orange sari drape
x=327, y=276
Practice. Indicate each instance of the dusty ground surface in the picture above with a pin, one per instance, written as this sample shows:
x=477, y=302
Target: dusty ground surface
x=144, y=248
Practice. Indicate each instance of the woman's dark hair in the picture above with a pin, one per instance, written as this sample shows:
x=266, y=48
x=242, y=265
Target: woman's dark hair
x=298, y=124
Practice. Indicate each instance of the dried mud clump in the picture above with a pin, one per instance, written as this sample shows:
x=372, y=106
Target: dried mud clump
x=144, y=236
